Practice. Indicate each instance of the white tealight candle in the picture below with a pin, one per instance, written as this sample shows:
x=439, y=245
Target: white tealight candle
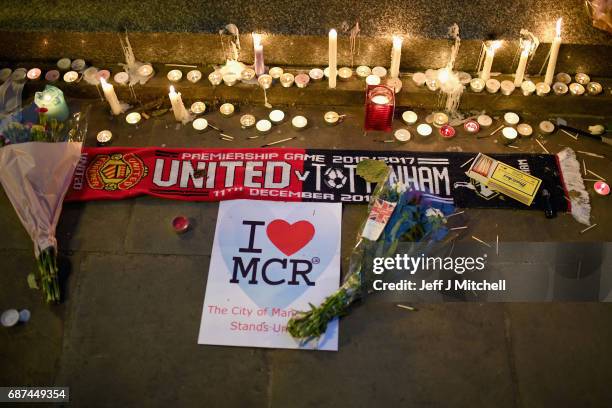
x=52, y=75
x=576, y=89
x=528, y=88
x=91, y=75
x=379, y=71
x=492, y=85
x=594, y=88
x=511, y=118
x=277, y=116
x=78, y=64
x=542, y=89
x=464, y=78
x=520, y=70
x=440, y=119
x=276, y=72
x=554, y=53
x=331, y=118
x=198, y=107
x=484, y=120
x=247, y=121
x=299, y=122
x=424, y=129
x=524, y=130
x=477, y=85
x=287, y=80
x=563, y=77
x=133, y=118
x=64, y=64
x=145, y=70
x=546, y=127
x=373, y=80
x=316, y=74
x=419, y=78
x=263, y=126
x=302, y=80
x=194, y=76
x=396, y=56
x=111, y=97
x=70, y=76
x=247, y=75
x=559, y=88
x=227, y=109
x=380, y=99
x=582, y=78
x=410, y=117
x=485, y=74
x=345, y=73
x=174, y=75
x=104, y=137
x=265, y=81
x=363, y=71
x=509, y=135
x=200, y=124
x=402, y=135
x=395, y=83
x=333, y=57
x=34, y=74
x=507, y=87
x=215, y=78
x=230, y=79
x=121, y=78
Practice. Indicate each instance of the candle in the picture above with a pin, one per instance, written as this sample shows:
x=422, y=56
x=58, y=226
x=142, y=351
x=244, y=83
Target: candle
x=194, y=76
x=64, y=64
x=419, y=78
x=524, y=129
x=91, y=75
x=215, y=78
x=402, y=135
x=582, y=78
x=447, y=132
x=180, y=224
x=265, y=81
x=511, y=118
x=316, y=74
x=542, y=89
x=395, y=83
x=104, y=137
x=464, y=78
x=409, y=117
x=200, y=124
x=53, y=100
x=287, y=80
x=145, y=70
x=546, y=127
x=104, y=73
x=301, y=80
x=299, y=122
x=247, y=121
x=373, y=80
x=440, y=119
x=111, y=97
x=177, y=105
x=52, y=75
x=70, y=76
x=263, y=126
x=492, y=85
x=258, y=63
x=247, y=75
x=602, y=188
x=227, y=109
x=230, y=79
x=485, y=74
x=477, y=85
x=363, y=71
x=563, y=77
x=333, y=57
x=331, y=118
x=509, y=135
x=471, y=126
x=275, y=72
x=528, y=88
x=34, y=73
x=379, y=71
x=121, y=78
x=559, y=88
x=554, y=53
x=576, y=89
x=396, y=56
x=520, y=71
x=594, y=88
x=133, y=118
x=507, y=87
x=484, y=120
x=424, y=129
x=277, y=116
x=345, y=73
x=174, y=75
x=78, y=64
x=198, y=107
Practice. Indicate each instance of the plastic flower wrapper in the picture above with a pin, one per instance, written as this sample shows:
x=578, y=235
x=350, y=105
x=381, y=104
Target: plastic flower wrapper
x=37, y=163
x=413, y=217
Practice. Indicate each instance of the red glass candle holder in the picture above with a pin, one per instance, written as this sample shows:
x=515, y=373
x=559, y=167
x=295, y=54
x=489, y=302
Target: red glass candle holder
x=379, y=108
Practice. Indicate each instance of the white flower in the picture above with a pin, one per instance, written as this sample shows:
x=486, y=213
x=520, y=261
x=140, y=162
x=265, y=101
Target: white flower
x=435, y=213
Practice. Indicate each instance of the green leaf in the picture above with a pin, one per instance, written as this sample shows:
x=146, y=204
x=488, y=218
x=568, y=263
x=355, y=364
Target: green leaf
x=373, y=171
x=32, y=281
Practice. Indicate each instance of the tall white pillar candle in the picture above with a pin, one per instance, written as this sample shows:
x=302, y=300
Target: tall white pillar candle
x=485, y=74
x=554, y=53
x=396, y=56
x=111, y=96
x=177, y=105
x=520, y=71
x=333, y=57
x=259, y=65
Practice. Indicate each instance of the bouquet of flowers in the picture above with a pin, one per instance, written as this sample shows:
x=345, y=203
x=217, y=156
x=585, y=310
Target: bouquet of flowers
x=394, y=216
x=37, y=162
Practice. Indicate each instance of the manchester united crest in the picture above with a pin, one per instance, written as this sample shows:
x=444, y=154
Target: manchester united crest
x=115, y=172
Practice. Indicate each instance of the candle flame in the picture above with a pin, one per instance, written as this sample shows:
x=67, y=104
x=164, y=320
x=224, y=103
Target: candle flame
x=495, y=45
x=559, y=27
x=333, y=33
x=256, y=40
x=103, y=82
x=397, y=41
x=527, y=47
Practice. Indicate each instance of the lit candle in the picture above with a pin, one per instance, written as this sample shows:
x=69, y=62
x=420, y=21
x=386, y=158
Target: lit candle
x=53, y=100
x=69, y=77
x=302, y=80
x=198, y=107
x=276, y=72
x=299, y=122
x=174, y=75
x=409, y=117
x=133, y=118
x=258, y=64
x=485, y=74
x=34, y=73
x=554, y=53
x=520, y=71
x=200, y=124
x=373, y=80
x=277, y=116
x=287, y=79
x=145, y=70
x=122, y=78
x=345, y=73
x=227, y=109
x=215, y=78
x=316, y=74
x=333, y=57
x=396, y=56
x=104, y=137
x=194, y=76
x=263, y=126
x=177, y=105
x=363, y=71
x=492, y=85
x=111, y=96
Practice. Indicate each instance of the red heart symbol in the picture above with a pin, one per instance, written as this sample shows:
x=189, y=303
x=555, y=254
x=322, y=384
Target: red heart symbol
x=290, y=238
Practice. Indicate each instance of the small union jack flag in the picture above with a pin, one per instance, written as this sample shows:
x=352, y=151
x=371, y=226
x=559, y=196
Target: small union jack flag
x=381, y=212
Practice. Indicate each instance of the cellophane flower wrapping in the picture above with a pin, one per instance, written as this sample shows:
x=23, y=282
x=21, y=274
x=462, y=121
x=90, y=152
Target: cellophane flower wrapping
x=35, y=176
x=413, y=218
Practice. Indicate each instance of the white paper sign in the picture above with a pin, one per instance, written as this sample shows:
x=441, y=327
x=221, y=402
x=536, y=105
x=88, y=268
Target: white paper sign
x=269, y=260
